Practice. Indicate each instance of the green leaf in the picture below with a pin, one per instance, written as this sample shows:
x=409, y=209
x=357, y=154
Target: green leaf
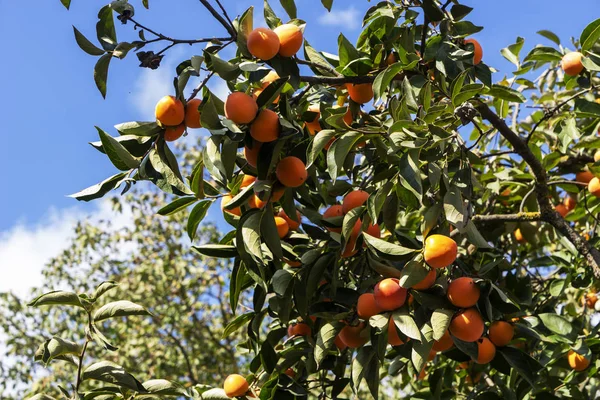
x=164, y=387
x=105, y=28
x=281, y=281
x=459, y=11
x=317, y=58
x=440, y=321
x=269, y=232
x=511, y=53
x=57, y=297
x=317, y=145
x=336, y=155
x=365, y=366
x=506, y=93
x=549, y=35
x=101, y=73
x=556, y=323
x=121, y=308
x=164, y=176
x=196, y=216
x=432, y=11
x=138, y=128
x=290, y=7
x=327, y=4
x=86, y=45
x=407, y=325
x=103, y=288
x=525, y=365
x=216, y=250
x=177, y=205
x=100, y=189
x=117, y=153
x=54, y=348
x=413, y=273
x=384, y=78
x=590, y=35
x=214, y=394
x=410, y=175
x=251, y=235
x=67, y=4
x=469, y=348
x=386, y=249
x=325, y=339
x=543, y=54
x=270, y=17
x=43, y=396
x=110, y=372
x=237, y=323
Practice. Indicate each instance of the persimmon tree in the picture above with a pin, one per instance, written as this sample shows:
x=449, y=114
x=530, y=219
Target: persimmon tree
x=398, y=211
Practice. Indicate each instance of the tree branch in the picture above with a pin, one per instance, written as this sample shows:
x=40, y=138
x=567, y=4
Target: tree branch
x=333, y=80
x=518, y=217
x=219, y=17
x=547, y=211
x=160, y=36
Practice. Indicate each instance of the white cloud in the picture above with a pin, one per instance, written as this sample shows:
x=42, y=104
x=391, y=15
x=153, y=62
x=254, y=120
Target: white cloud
x=149, y=88
x=24, y=250
x=348, y=18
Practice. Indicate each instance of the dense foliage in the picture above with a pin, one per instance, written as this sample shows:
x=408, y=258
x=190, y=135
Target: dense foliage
x=397, y=210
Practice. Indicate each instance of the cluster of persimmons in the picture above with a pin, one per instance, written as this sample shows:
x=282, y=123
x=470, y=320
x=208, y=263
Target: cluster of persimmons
x=439, y=251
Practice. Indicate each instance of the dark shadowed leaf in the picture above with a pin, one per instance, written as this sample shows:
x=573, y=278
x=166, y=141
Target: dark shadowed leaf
x=440, y=321
x=526, y=366
x=100, y=189
x=177, y=205
x=366, y=366
x=110, y=372
x=217, y=250
x=196, y=216
x=86, y=45
x=590, y=35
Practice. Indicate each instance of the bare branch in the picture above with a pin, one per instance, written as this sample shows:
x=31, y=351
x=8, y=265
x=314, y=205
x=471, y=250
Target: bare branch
x=518, y=217
x=219, y=17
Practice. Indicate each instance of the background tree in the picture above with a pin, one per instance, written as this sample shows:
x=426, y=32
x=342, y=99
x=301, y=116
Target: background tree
x=181, y=341
x=438, y=220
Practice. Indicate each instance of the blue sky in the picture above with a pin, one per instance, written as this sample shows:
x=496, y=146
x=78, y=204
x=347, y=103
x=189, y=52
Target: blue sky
x=50, y=103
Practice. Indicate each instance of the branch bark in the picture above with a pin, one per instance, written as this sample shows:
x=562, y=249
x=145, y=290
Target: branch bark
x=220, y=18
x=518, y=217
x=547, y=212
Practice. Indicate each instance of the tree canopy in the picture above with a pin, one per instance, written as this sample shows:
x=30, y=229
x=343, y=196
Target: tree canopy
x=399, y=213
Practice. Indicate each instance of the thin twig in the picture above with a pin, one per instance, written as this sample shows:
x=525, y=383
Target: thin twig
x=219, y=18
x=550, y=113
x=200, y=86
x=518, y=217
x=160, y=36
x=224, y=11
x=500, y=153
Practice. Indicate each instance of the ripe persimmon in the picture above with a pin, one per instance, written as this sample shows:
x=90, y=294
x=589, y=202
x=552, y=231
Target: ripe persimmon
x=561, y=209
x=577, y=361
x=240, y=108
x=235, y=385
x=247, y=180
x=332, y=212
x=339, y=344
x=225, y=200
x=299, y=329
x=266, y=81
x=478, y=51
x=290, y=39
x=256, y=202
x=444, y=343
x=366, y=306
x=251, y=154
x=350, y=247
x=501, y=333
x=570, y=203
x=426, y=282
x=265, y=128
x=463, y=292
x=293, y=225
x=486, y=351
x=173, y=133
x=519, y=236
x=393, y=338
x=389, y=295
x=439, y=251
x=584, y=176
x=571, y=63
x=282, y=227
x=263, y=43
x=169, y=111
x=590, y=299
x=290, y=372
x=467, y=325
x=314, y=126
x=293, y=263
x=353, y=199
x=360, y=93
x=192, y=115
x=354, y=336
x=291, y=172
x=594, y=187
